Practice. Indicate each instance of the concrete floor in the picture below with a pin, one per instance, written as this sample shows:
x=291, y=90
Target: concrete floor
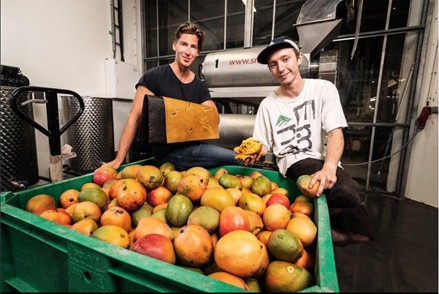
x=403, y=257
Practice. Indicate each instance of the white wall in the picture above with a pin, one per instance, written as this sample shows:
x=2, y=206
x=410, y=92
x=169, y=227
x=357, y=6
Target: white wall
x=422, y=179
x=60, y=44
x=65, y=44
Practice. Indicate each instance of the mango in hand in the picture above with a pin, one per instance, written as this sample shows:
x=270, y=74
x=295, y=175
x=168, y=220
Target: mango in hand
x=302, y=183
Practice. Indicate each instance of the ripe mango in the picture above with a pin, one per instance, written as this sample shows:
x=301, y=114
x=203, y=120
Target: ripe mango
x=95, y=195
x=261, y=186
x=283, y=276
x=178, y=210
x=302, y=183
x=230, y=181
x=129, y=172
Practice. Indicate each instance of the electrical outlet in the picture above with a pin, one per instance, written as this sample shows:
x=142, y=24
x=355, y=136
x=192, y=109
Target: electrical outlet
x=434, y=109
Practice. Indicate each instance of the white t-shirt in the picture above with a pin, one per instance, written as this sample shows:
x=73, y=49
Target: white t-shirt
x=296, y=127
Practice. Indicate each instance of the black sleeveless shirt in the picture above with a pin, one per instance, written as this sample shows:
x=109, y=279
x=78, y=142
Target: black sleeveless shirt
x=162, y=81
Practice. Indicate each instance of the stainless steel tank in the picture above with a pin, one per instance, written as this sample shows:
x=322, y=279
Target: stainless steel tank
x=236, y=68
x=239, y=68
x=18, y=160
x=316, y=27
x=92, y=135
x=234, y=128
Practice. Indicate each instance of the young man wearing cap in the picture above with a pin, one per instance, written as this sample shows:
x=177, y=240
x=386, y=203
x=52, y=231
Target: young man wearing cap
x=301, y=122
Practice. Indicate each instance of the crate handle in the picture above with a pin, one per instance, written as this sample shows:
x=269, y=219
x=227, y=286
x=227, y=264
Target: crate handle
x=38, y=221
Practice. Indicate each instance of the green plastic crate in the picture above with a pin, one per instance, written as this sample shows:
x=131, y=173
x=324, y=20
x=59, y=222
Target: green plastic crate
x=40, y=256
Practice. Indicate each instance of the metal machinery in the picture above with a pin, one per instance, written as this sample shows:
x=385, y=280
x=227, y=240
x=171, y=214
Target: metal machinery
x=235, y=77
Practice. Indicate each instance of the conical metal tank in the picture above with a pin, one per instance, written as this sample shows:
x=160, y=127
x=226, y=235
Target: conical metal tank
x=18, y=149
x=92, y=135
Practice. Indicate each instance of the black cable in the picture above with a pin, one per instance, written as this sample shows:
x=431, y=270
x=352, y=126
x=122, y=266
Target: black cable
x=385, y=157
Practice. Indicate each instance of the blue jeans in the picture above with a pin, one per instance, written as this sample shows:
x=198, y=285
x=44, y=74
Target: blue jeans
x=205, y=155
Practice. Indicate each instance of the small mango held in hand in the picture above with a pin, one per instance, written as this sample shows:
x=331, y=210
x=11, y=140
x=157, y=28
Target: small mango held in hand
x=303, y=185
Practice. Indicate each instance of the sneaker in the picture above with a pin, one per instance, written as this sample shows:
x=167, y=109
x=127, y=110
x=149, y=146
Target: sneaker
x=342, y=239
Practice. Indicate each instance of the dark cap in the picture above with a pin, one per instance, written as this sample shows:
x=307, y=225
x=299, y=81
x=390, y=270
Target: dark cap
x=276, y=43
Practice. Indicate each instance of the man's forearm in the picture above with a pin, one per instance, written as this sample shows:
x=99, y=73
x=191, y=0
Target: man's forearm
x=334, y=149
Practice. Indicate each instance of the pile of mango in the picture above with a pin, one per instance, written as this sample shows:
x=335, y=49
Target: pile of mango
x=240, y=229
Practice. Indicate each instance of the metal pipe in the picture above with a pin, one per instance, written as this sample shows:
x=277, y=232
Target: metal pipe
x=273, y=24
x=120, y=25
x=378, y=33
x=380, y=77
x=390, y=125
x=248, y=23
x=415, y=89
x=112, y=32
x=225, y=26
x=234, y=128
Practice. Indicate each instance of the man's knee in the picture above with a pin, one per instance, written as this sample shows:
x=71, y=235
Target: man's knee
x=344, y=194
